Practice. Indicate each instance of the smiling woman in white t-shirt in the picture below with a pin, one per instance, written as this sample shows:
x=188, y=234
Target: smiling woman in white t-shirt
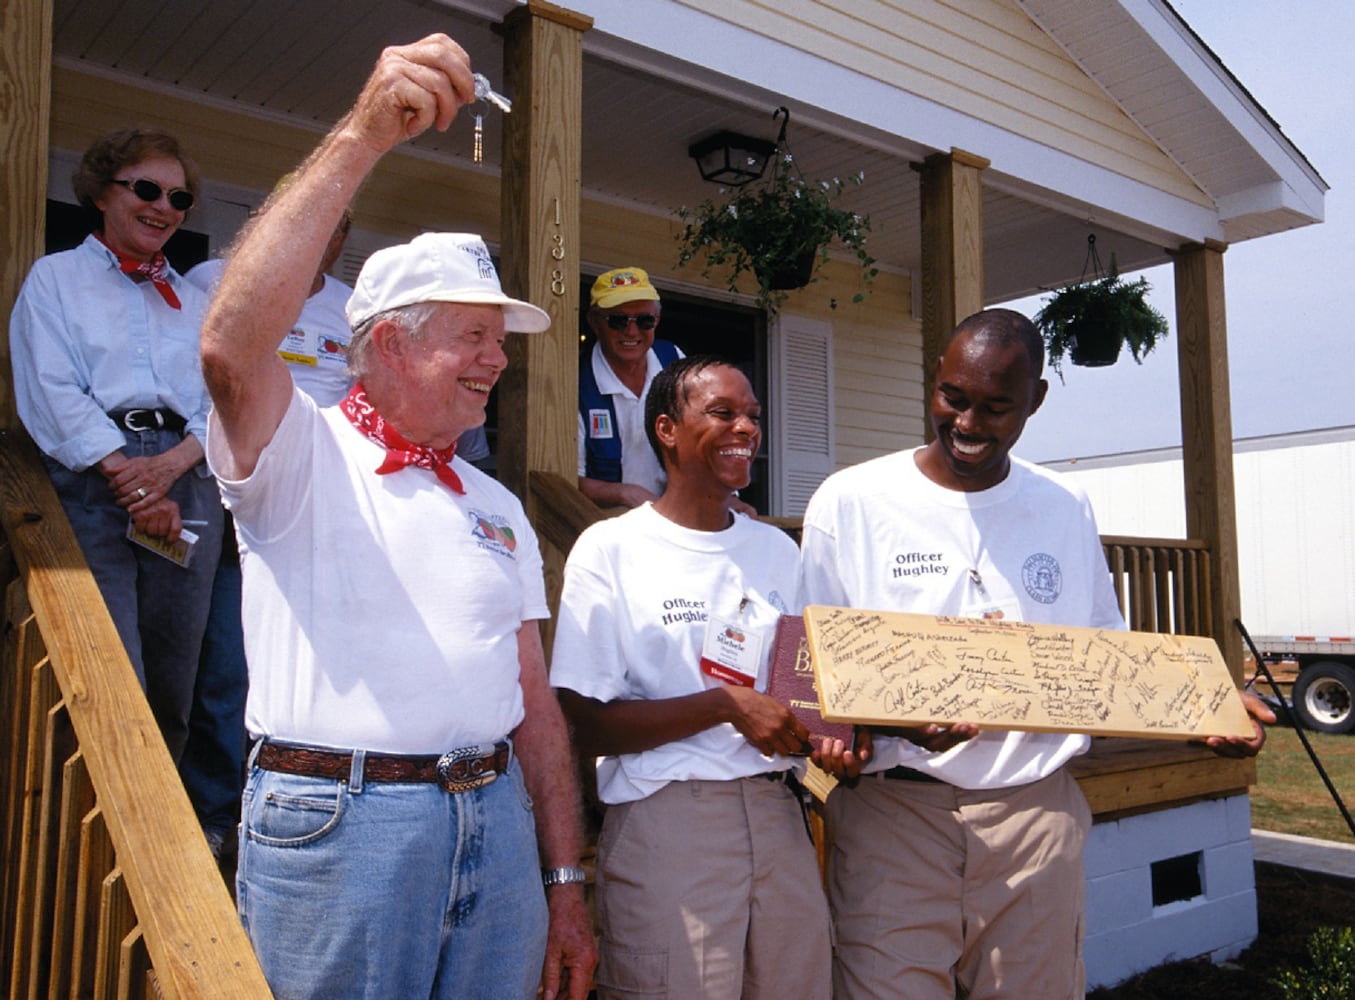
x=706, y=880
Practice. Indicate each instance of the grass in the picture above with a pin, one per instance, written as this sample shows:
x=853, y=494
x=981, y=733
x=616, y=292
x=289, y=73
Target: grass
x=1290, y=796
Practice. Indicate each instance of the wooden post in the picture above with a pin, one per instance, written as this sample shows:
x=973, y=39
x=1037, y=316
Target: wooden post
x=952, y=253
x=542, y=152
x=25, y=109
x=1207, y=432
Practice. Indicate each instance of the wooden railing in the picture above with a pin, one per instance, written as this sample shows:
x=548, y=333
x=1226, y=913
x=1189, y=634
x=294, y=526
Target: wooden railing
x=1163, y=584
x=109, y=889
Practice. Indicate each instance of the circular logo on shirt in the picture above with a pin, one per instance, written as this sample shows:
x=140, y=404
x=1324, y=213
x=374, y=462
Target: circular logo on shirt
x=1042, y=577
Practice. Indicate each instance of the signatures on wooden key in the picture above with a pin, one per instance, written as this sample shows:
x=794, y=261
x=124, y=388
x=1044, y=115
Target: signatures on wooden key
x=893, y=669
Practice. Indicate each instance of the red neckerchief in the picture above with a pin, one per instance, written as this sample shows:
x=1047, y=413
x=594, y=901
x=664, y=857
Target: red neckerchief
x=399, y=452
x=155, y=270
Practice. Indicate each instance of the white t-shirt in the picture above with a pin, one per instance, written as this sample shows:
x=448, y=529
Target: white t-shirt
x=884, y=537
x=639, y=464
x=638, y=597
x=381, y=612
x=316, y=348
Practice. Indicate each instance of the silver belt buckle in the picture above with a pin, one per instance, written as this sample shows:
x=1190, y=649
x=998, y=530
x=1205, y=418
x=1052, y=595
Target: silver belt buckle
x=143, y=419
x=466, y=768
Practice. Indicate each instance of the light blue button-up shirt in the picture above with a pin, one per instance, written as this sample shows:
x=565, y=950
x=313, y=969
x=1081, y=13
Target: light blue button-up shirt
x=86, y=340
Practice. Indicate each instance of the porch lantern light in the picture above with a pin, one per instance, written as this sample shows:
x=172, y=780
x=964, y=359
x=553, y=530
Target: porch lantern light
x=731, y=159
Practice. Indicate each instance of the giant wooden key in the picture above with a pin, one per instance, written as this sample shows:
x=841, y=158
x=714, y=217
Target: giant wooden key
x=891, y=669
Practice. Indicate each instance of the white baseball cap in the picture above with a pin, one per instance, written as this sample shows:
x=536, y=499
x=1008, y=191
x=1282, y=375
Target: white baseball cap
x=437, y=267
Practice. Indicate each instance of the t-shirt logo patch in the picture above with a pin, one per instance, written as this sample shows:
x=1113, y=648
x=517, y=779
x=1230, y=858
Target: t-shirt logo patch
x=1042, y=578
x=328, y=347
x=600, y=424
x=493, y=532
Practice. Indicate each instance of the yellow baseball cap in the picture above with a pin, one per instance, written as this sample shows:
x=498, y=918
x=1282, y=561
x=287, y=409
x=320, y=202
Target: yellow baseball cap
x=622, y=285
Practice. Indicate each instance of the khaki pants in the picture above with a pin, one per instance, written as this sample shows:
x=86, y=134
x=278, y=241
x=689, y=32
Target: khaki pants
x=708, y=890
x=938, y=892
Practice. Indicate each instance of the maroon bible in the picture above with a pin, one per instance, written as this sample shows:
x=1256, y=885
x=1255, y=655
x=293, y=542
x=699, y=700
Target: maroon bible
x=791, y=681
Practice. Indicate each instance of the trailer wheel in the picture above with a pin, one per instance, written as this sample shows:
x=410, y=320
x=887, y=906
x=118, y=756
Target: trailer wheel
x=1324, y=697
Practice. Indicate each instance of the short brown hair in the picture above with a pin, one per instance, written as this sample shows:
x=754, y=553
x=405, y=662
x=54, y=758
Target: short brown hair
x=124, y=148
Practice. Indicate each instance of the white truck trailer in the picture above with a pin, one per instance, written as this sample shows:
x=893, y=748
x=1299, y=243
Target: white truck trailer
x=1296, y=547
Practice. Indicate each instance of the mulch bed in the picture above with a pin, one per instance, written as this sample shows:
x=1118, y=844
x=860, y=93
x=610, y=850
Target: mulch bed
x=1291, y=904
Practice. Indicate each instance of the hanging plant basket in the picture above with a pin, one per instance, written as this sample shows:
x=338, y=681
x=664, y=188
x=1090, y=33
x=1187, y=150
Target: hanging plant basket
x=1089, y=322
x=778, y=230
x=788, y=275
x=1094, y=339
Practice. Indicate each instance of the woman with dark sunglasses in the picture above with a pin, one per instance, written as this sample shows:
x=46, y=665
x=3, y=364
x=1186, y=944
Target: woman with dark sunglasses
x=104, y=340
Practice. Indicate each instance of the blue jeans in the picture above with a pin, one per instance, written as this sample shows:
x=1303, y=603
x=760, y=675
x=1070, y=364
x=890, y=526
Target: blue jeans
x=384, y=890
x=159, y=607
x=213, y=762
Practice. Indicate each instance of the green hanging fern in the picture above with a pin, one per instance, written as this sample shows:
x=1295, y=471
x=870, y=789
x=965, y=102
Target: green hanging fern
x=1088, y=322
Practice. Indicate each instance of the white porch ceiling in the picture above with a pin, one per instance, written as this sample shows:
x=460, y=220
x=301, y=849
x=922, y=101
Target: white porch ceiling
x=304, y=60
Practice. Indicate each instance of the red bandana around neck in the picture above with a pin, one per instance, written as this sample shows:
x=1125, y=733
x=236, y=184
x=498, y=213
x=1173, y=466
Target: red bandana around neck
x=155, y=270
x=399, y=452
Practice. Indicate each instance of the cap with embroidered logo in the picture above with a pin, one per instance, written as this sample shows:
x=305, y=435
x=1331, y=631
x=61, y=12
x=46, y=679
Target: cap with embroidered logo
x=622, y=285
x=437, y=267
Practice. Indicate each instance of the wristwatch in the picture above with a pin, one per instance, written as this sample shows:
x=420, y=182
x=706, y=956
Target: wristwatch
x=562, y=876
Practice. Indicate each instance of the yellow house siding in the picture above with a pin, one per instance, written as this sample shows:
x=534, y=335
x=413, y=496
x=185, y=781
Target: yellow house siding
x=877, y=371
x=408, y=194
x=614, y=236
x=983, y=59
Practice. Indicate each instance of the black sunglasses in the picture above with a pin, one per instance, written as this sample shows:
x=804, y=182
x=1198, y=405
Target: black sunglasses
x=179, y=199
x=619, y=321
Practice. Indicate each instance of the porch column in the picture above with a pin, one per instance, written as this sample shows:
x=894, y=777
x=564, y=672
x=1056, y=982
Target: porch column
x=542, y=150
x=539, y=198
x=952, y=253
x=1207, y=432
x=26, y=83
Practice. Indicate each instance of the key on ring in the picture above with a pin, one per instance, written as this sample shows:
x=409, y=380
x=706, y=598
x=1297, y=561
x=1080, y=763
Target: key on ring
x=484, y=91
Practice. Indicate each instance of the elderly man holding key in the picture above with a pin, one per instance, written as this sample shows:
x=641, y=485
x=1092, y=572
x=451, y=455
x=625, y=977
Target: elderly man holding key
x=410, y=823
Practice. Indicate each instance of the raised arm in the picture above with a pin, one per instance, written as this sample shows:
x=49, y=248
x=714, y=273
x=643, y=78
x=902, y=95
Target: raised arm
x=413, y=88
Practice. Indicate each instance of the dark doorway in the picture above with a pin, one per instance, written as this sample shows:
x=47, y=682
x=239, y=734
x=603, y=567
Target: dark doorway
x=68, y=225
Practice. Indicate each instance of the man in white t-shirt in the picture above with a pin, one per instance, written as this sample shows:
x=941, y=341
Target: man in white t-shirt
x=410, y=823
x=956, y=866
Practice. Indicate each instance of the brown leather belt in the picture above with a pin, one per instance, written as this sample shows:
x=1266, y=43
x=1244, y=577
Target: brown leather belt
x=455, y=771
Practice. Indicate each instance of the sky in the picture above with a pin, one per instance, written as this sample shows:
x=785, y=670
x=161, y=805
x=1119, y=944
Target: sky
x=1290, y=353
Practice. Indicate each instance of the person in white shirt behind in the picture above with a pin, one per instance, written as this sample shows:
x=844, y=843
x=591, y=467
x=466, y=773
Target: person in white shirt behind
x=316, y=347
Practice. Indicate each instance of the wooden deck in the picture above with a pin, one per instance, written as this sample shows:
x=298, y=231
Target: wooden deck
x=1121, y=777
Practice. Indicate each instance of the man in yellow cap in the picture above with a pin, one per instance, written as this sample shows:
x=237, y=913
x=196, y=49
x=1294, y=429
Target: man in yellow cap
x=617, y=467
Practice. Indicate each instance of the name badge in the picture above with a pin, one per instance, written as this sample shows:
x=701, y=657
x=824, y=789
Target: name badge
x=731, y=652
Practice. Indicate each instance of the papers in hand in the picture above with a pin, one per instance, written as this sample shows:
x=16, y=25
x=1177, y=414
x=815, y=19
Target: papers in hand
x=179, y=552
